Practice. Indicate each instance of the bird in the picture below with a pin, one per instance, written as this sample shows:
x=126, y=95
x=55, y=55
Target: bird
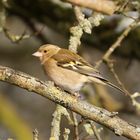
x=69, y=70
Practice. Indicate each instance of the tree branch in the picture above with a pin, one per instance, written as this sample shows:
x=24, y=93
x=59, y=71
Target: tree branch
x=117, y=43
x=47, y=90
x=103, y=6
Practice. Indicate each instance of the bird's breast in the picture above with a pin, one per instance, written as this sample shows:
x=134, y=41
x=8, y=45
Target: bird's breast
x=69, y=80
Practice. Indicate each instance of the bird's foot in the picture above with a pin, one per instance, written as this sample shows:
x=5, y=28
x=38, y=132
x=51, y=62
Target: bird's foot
x=77, y=95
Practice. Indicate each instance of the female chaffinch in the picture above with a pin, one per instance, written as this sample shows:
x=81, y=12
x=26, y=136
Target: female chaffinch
x=68, y=70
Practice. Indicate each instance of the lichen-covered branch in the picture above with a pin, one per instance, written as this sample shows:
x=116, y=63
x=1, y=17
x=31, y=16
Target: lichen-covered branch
x=48, y=90
x=84, y=25
x=35, y=135
x=75, y=126
x=55, y=126
x=66, y=134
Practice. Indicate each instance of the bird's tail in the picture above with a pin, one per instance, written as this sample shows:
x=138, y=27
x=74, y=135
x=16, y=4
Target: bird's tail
x=103, y=81
x=114, y=86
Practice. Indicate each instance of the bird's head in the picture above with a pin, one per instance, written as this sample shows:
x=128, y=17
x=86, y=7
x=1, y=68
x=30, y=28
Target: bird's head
x=45, y=52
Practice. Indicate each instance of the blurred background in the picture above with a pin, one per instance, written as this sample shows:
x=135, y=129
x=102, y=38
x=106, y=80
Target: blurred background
x=49, y=21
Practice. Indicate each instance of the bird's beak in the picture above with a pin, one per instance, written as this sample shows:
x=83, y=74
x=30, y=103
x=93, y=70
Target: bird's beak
x=37, y=54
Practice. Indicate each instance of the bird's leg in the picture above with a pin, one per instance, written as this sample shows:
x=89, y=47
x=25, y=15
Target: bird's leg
x=76, y=94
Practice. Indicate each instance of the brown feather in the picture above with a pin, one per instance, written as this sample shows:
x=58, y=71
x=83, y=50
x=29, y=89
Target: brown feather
x=72, y=61
x=66, y=56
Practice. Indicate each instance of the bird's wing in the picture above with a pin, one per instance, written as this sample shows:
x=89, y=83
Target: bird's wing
x=72, y=61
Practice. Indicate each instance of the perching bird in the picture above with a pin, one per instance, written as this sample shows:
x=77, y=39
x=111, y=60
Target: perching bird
x=68, y=70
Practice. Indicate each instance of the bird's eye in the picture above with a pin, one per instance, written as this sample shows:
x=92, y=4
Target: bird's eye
x=45, y=51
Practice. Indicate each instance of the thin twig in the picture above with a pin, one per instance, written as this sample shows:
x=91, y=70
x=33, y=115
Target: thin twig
x=35, y=135
x=66, y=134
x=117, y=43
x=123, y=5
x=15, y=38
x=120, y=39
x=38, y=33
x=95, y=131
x=75, y=126
x=111, y=68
